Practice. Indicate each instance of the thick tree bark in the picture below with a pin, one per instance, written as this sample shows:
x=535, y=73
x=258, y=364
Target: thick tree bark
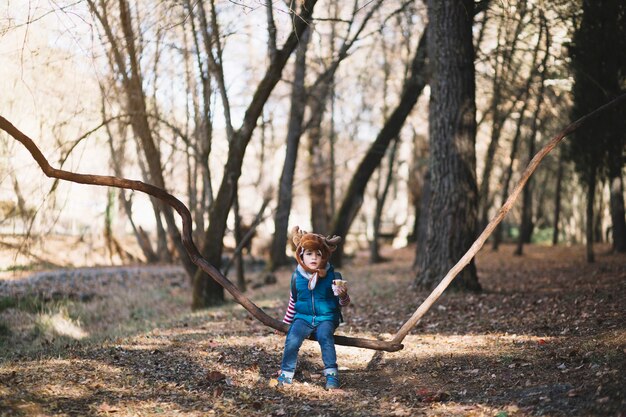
x=452, y=133
x=598, y=214
x=422, y=220
x=598, y=51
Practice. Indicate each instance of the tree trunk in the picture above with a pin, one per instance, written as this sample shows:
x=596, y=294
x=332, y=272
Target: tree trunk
x=617, y=214
x=239, y=267
x=136, y=107
x=319, y=180
x=591, y=191
x=353, y=197
x=504, y=78
x=206, y=290
x=278, y=257
x=557, y=201
x=597, y=217
x=452, y=131
x=380, y=204
x=117, y=162
x=527, y=225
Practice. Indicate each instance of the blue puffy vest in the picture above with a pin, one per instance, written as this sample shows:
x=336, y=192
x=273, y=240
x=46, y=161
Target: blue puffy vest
x=317, y=305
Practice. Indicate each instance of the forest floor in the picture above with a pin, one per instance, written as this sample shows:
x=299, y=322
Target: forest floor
x=547, y=336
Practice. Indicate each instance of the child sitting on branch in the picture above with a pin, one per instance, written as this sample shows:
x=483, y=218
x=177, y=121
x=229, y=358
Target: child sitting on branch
x=317, y=295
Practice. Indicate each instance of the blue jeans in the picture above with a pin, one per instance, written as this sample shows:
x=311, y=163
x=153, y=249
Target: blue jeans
x=299, y=331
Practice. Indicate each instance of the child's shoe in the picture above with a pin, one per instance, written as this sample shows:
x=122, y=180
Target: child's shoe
x=284, y=380
x=332, y=381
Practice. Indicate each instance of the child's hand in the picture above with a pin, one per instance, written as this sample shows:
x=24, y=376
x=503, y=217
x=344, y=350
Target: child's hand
x=340, y=291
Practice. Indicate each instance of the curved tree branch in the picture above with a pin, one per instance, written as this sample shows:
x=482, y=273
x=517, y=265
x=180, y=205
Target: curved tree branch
x=386, y=345
x=186, y=238
x=506, y=207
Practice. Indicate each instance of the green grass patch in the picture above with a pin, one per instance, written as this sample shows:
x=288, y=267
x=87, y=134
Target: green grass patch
x=17, y=268
x=542, y=236
x=30, y=303
x=5, y=331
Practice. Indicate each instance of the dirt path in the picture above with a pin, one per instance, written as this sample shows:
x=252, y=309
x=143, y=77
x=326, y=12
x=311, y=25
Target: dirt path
x=546, y=337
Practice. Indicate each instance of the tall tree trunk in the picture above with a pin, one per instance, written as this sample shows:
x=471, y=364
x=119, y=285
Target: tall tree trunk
x=203, y=117
x=319, y=179
x=500, y=112
x=239, y=266
x=452, y=131
x=278, y=257
x=527, y=226
x=597, y=218
x=380, y=204
x=117, y=159
x=497, y=239
x=421, y=234
x=557, y=201
x=591, y=192
x=617, y=214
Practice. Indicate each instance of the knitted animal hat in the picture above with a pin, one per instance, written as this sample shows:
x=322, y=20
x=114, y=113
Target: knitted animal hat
x=314, y=242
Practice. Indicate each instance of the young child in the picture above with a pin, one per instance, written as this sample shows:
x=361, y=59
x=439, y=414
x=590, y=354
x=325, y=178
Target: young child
x=314, y=304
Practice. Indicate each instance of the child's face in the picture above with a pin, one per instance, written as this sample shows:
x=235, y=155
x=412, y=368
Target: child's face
x=312, y=258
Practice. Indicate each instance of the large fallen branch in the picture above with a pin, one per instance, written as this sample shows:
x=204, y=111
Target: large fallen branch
x=384, y=345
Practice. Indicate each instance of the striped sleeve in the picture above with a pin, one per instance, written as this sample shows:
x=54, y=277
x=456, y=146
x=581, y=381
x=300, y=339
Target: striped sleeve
x=344, y=300
x=291, y=310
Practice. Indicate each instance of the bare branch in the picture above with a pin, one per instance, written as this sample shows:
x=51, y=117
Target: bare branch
x=506, y=207
x=271, y=30
x=186, y=238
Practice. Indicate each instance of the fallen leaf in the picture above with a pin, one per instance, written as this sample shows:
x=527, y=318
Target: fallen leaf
x=106, y=408
x=215, y=376
x=573, y=392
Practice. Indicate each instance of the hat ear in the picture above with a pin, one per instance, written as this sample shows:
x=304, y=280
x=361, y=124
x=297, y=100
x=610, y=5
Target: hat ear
x=331, y=242
x=297, y=235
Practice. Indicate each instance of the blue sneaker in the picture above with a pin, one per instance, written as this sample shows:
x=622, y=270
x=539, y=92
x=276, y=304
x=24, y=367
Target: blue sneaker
x=332, y=381
x=284, y=380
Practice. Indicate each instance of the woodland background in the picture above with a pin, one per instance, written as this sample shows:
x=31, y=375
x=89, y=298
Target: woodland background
x=339, y=117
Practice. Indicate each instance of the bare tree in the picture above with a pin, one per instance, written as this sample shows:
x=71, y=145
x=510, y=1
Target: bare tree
x=353, y=197
x=526, y=226
x=205, y=290
x=278, y=256
x=125, y=60
x=317, y=96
